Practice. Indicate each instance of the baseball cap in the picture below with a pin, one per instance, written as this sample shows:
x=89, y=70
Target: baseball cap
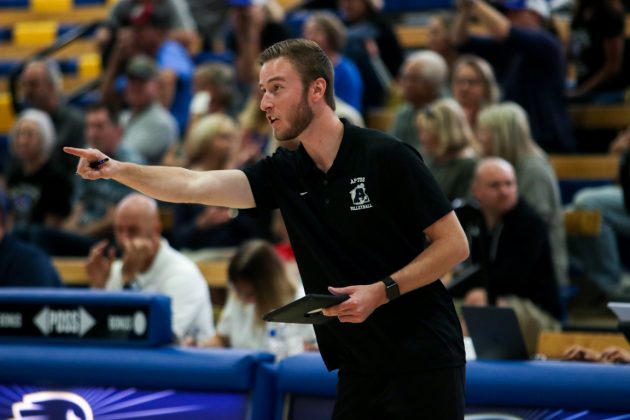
x=154, y=14
x=142, y=67
x=539, y=6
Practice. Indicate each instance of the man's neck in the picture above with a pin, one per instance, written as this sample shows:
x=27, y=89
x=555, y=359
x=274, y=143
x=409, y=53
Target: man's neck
x=322, y=139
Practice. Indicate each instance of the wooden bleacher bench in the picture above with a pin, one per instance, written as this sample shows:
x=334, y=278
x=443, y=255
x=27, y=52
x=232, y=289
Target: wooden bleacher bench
x=593, y=166
x=72, y=271
x=582, y=222
x=553, y=344
x=380, y=119
x=600, y=116
x=77, y=14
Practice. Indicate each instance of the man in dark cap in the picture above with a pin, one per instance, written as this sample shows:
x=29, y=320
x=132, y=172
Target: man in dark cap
x=149, y=129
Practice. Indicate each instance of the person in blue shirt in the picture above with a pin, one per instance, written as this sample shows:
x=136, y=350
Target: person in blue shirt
x=21, y=264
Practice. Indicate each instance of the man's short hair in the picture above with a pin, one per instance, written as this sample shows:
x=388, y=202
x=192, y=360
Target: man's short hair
x=112, y=113
x=310, y=61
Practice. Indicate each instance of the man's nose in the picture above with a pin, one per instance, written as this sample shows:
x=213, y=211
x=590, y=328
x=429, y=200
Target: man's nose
x=265, y=103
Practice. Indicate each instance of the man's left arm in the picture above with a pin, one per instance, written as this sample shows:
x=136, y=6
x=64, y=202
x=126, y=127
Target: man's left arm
x=448, y=247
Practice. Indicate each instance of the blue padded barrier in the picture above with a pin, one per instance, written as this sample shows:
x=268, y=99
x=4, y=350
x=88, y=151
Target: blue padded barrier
x=305, y=379
x=168, y=367
x=84, y=316
x=570, y=385
x=526, y=384
x=306, y=374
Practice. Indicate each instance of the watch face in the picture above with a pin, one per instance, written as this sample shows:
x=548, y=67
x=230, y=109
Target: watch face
x=391, y=289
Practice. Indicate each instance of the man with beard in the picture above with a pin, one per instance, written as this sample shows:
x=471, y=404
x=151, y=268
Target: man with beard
x=360, y=209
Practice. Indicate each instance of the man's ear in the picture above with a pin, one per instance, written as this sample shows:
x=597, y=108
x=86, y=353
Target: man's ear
x=318, y=88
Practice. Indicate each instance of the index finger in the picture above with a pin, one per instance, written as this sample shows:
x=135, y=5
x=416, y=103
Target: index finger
x=83, y=153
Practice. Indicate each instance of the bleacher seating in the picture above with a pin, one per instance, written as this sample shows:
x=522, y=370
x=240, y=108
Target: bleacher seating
x=575, y=172
x=553, y=344
x=27, y=27
x=72, y=271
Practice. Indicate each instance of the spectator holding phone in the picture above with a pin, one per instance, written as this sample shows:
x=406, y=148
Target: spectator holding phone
x=148, y=263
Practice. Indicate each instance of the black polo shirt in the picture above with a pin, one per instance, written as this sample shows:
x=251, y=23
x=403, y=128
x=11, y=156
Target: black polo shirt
x=355, y=224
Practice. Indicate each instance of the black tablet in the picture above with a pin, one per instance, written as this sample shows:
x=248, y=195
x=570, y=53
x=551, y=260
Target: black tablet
x=306, y=310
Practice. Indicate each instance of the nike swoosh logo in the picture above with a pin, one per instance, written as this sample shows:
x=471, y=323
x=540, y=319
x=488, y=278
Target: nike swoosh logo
x=304, y=193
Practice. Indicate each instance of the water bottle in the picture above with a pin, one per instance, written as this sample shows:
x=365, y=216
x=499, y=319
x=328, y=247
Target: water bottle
x=276, y=343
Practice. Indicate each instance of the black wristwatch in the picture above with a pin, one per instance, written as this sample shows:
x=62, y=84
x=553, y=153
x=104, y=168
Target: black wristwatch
x=391, y=288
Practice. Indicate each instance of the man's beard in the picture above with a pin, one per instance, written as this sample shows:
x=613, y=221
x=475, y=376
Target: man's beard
x=298, y=121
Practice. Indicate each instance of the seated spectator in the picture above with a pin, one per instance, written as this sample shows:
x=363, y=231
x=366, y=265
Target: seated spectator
x=449, y=147
x=148, y=263
x=149, y=129
x=329, y=32
x=258, y=284
x=92, y=216
x=41, y=84
x=214, y=85
x=422, y=81
x=373, y=46
x=511, y=244
x=22, y=264
x=39, y=193
x=598, y=255
x=473, y=86
x=503, y=131
x=209, y=146
x=611, y=354
x=528, y=60
x=596, y=48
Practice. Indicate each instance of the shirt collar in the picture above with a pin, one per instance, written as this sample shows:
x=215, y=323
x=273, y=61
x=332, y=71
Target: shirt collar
x=342, y=161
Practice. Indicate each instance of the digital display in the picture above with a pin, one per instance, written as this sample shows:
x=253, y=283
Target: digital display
x=63, y=403
x=81, y=321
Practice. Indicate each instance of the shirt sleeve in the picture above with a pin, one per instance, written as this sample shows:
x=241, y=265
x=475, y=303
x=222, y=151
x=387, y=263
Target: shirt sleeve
x=259, y=175
x=416, y=191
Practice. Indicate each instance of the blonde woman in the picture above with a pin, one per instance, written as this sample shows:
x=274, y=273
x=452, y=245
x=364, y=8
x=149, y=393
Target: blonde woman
x=258, y=283
x=503, y=131
x=473, y=86
x=449, y=146
x=210, y=145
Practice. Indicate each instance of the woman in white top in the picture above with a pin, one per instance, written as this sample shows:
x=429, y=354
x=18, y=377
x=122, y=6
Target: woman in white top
x=258, y=284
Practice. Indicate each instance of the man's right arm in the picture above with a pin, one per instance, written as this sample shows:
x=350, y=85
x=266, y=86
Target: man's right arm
x=227, y=188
